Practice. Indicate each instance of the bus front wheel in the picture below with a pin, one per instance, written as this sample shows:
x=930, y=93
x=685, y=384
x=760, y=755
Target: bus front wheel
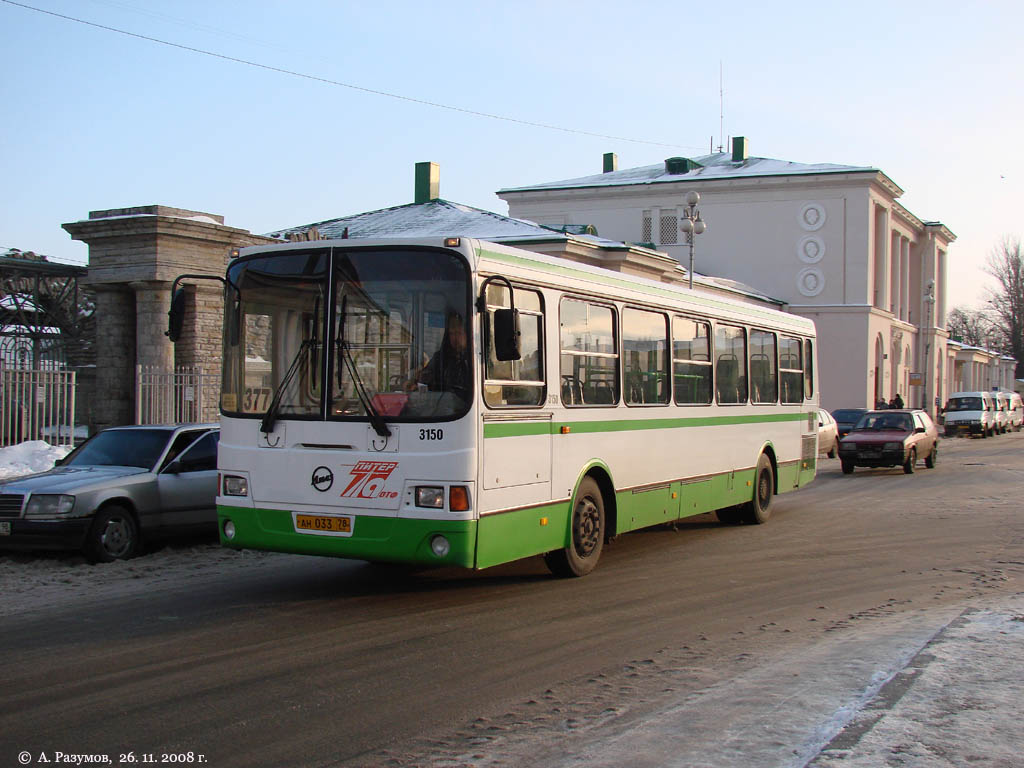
x=759, y=508
x=586, y=534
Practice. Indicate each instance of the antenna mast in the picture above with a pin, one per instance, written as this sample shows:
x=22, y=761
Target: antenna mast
x=721, y=106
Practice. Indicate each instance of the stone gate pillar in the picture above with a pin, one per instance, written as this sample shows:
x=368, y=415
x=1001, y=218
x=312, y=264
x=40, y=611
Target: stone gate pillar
x=134, y=256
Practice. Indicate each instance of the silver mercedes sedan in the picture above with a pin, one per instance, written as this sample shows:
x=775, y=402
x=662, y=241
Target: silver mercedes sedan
x=119, y=487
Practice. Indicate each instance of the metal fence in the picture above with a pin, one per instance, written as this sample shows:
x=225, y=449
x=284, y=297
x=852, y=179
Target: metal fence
x=185, y=394
x=37, y=404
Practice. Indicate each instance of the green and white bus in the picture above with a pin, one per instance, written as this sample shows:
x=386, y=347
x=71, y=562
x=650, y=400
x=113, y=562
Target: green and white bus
x=455, y=402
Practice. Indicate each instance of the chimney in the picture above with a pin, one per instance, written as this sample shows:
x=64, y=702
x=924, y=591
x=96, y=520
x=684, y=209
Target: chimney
x=739, y=149
x=611, y=162
x=428, y=182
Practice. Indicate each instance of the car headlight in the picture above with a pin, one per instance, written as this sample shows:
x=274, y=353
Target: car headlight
x=49, y=505
x=893, y=447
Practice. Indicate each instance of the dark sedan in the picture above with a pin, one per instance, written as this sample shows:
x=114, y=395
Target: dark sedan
x=890, y=438
x=120, y=486
x=847, y=418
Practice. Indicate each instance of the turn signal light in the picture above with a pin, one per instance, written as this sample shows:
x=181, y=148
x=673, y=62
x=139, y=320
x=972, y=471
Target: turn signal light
x=458, y=498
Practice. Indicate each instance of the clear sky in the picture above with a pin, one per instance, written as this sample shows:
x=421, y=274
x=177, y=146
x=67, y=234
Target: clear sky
x=929, y=92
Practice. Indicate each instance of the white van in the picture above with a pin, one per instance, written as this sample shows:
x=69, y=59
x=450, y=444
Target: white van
x=970, y=413
x=1016, y=411
x=1002, y=411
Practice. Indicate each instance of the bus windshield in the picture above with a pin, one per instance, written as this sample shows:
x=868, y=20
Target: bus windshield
x=334, y=333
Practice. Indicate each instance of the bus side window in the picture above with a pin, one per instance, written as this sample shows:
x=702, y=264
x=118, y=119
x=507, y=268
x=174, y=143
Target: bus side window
x=763, y=378
x=808, y=370
x=589, y=353
x=791, y=370
x=516, y=382
x=730, y=364
x=645, y=361
x=691, y=361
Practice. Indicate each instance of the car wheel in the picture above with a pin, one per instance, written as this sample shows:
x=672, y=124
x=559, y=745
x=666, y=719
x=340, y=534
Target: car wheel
x=114, y=535
x=835, y=450
x=847, y=467
x=931, y=458
x=759, y=508
x=586, y=534
x=908, y=466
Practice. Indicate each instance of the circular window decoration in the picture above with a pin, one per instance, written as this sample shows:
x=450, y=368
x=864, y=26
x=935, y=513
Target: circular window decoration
x=812, y=217
x=811, y=249
x=810, y=281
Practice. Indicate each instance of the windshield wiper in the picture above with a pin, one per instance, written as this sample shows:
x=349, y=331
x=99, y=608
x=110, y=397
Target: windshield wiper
x=270, y=417
x=376, y=420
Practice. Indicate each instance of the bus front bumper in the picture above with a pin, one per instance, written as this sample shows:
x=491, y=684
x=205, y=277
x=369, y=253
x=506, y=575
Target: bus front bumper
x=373, y=538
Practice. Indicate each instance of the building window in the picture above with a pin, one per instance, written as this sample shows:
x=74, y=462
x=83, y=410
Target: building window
x=646, y=230
x=669, y=228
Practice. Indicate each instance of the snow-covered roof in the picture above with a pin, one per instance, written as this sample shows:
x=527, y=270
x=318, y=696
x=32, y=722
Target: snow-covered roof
x=434, y=218
x=708, y=167
x=442, y=218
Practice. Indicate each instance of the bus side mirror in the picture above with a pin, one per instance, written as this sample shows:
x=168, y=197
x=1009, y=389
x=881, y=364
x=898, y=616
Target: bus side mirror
x=506, y=336
x=176, y=316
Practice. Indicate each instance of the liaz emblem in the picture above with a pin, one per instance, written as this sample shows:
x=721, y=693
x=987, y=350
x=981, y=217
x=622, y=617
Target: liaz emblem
x=369, y=479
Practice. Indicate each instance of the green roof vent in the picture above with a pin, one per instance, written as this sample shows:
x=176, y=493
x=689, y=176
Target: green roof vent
x=680, y=165
x=611, y=162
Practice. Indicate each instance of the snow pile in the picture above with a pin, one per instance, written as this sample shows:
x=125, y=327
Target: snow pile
x=30, y=457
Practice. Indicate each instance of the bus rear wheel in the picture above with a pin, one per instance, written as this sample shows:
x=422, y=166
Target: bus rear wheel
x=586, y=534
x=759, y=508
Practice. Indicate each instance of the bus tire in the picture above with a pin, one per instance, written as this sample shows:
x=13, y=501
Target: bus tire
x=586, y=534
x=759, y=508
x=730, y=515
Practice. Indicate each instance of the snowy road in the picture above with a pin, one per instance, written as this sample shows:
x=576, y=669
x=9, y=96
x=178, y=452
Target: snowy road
x=709, y=645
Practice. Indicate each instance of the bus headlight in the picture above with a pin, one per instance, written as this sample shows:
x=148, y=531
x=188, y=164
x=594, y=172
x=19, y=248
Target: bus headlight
x=235, y=485
x=430, y=496
x=229, y=530
x=439, y=546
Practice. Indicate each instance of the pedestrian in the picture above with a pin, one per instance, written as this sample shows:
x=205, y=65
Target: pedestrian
x=897, y=401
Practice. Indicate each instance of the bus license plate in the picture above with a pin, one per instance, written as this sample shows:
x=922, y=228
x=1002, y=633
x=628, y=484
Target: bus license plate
x=5, y=529
x=329, y=525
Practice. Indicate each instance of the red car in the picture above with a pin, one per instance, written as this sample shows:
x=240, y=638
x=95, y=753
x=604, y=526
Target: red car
x=890, y=438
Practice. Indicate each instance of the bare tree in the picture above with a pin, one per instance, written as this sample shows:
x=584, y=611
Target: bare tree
x=1006, y=265
x=973, y=327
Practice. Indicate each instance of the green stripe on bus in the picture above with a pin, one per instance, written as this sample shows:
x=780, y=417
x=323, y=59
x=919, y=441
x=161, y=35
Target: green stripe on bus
x=521, y=429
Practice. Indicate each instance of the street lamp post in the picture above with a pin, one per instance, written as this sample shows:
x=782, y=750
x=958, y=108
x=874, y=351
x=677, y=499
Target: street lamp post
x=929, y=300
x=692, y=224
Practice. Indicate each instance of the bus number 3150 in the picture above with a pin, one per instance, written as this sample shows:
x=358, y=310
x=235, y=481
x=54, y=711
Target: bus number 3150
x=431, y=434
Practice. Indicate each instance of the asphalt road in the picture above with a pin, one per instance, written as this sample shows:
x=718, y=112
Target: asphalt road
x=322, y=662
